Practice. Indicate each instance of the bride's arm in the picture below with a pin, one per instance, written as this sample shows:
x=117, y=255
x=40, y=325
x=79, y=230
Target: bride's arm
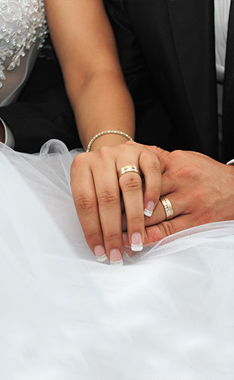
x=86, y=49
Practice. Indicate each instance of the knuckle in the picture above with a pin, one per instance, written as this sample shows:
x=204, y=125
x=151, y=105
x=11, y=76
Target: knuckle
x=188, y=172
x=131, y=184
x=79, y=163
x=93, y=237
x=192, y=171
x=83, y=204
x=152, y=164
x=103, y=151
x=186, y=166
x=78, y=159
x=167, y=228
x=111, y=237
x=151, y=235
x=136, y=219
x=108, y=198
x=177, y=154
x=155, y=171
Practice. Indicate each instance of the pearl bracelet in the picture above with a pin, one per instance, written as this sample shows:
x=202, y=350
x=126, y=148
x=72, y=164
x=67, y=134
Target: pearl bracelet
x=106, y=133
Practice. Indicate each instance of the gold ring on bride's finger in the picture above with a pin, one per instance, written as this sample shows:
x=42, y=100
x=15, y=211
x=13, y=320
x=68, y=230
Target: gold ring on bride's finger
x=128, y=169
x=167, y=207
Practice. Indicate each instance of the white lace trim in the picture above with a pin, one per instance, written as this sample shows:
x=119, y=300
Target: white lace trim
x=22, y=22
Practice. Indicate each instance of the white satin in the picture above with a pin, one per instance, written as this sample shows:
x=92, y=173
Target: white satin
x=168, y=314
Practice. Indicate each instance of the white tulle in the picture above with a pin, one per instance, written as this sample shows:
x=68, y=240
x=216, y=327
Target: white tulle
x=167, y=314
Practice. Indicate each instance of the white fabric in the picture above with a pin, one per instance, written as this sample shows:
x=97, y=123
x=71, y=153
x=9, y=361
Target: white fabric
x=166, y=314
x=231, y=162
x=22, y=31
x=222, y=8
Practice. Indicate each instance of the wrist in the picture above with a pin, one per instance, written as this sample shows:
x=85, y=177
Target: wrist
x=108, y=138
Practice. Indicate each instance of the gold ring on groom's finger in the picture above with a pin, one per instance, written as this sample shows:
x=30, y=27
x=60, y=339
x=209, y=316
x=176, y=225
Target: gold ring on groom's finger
x=167, y=207
x=128, y=169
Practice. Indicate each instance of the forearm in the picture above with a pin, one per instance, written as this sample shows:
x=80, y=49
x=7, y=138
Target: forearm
x=86, y=49
x=103, y=104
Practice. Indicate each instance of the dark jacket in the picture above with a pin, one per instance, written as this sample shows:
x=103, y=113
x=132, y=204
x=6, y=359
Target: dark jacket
x=167, y=52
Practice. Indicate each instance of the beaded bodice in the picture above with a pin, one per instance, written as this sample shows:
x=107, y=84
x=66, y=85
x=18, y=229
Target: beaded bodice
x=22, y=31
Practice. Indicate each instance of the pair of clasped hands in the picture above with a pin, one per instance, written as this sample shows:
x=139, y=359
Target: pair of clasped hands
x=199, y=189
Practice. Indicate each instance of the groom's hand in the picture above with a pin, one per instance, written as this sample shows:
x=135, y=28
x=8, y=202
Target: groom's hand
x=200, y=190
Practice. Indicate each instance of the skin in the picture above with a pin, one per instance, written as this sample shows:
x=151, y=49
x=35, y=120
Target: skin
x=200, y=189
x=94, y=82
x=96, y=193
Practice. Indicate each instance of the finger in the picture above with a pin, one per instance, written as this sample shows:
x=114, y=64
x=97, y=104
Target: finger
x=85, y=201
x=109, y=207
x=161, y=154
x=167, y=228
x=179, y=171
x=155, y=233
x=168, y=207
x=179, y=205
x=150, y=168
x=132, y=192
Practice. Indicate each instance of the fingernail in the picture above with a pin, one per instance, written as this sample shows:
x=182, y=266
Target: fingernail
x=116, y=257
x=100, y=253
x=136, y=242
x=149, y=209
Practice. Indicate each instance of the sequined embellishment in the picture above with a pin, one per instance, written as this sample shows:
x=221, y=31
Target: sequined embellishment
x=22, y=22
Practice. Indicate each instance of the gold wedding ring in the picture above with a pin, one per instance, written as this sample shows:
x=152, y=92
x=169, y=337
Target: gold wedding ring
x=167, y=207
x=128, y=169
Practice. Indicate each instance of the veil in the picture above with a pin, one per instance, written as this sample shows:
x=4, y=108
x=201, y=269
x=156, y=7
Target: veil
x=168, y=313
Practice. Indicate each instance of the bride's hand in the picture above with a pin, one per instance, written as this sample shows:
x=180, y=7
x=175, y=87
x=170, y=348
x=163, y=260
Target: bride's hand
x=97, y=191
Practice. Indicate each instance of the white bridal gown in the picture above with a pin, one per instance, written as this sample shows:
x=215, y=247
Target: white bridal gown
x=167, y=314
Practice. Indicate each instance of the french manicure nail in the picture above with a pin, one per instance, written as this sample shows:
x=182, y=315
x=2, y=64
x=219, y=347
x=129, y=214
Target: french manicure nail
x=149, y=209
x=116, y=257
x=136, y=242
x=100, y=253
